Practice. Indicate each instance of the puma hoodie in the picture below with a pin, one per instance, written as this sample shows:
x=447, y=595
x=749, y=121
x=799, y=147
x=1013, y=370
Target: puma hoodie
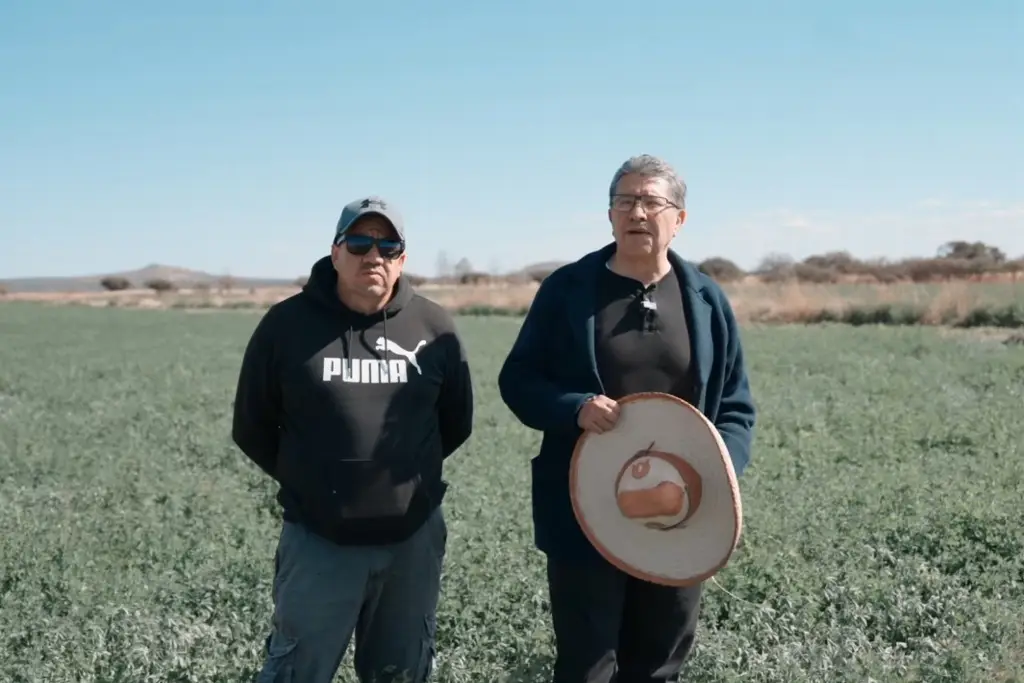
x=353, y=415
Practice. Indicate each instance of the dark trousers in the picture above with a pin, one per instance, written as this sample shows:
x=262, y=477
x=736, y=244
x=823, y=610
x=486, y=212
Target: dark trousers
x=384, y=595
x=612, y=628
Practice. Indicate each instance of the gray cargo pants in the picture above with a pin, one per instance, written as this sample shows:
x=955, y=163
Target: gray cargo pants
x=385, y=595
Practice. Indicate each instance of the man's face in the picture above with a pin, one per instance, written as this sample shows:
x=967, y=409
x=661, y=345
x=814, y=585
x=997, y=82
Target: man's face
x=371, y=273
x=644, y=218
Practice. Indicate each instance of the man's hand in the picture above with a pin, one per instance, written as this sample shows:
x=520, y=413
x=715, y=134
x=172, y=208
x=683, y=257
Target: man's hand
x=598, y=415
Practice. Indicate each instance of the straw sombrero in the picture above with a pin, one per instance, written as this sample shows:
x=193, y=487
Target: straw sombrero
x=657, y=495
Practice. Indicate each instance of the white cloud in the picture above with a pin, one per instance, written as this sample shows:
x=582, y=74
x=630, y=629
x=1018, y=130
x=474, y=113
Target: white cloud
x=806, y=223
x=982, y=209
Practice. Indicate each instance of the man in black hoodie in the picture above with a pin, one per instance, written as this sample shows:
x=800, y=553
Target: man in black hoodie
x=351, y=395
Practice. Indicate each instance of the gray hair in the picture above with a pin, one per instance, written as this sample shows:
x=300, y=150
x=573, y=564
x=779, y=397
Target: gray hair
x=652, y=167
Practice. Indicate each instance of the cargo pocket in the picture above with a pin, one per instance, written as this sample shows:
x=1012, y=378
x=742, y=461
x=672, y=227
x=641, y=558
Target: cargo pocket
x=428, y=651
x=440, y=533
x=279, y=666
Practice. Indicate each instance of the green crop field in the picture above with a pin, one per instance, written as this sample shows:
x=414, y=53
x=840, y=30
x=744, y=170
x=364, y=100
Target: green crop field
x=883, y=537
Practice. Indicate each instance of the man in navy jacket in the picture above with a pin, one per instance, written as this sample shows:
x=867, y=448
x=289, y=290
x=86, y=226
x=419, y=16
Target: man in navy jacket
x=632, y=316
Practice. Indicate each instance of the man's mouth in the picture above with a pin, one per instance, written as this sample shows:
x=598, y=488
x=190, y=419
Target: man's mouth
x=638, y=231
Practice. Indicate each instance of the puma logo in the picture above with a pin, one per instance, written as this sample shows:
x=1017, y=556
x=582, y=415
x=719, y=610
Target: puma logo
x=393, y=348
x=391, y=370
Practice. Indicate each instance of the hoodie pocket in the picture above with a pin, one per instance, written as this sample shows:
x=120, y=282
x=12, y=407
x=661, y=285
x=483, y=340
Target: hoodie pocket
x=370, y=490
x=331, y=490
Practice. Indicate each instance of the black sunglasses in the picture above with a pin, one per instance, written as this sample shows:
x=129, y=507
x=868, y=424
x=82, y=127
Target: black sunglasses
x=360, y=245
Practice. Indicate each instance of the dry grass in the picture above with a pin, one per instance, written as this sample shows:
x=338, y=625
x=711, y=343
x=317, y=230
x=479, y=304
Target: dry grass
x=147, y=298
x=510, y=297
x=931, y=304
x=499, y=297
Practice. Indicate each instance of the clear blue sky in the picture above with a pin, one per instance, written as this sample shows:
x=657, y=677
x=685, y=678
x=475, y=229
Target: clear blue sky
x=226, y=136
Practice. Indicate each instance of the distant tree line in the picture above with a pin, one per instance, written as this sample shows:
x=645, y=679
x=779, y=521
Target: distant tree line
x=955, y=260
x=118, y=283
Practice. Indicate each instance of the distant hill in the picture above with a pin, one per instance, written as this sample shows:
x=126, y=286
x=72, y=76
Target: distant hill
x=155, y=271
x=183, y=277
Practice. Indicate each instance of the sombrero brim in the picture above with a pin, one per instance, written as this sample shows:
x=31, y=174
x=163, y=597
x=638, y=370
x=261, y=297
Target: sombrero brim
x=677, y=557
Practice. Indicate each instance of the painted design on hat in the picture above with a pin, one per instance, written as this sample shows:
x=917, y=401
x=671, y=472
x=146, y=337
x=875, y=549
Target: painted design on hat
x=657, y=495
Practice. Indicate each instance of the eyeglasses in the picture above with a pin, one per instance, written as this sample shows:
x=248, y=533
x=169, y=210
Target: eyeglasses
x=360, y=245
x=650, y=203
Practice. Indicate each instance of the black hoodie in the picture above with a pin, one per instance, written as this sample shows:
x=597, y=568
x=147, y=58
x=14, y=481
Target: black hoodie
x=354, y=414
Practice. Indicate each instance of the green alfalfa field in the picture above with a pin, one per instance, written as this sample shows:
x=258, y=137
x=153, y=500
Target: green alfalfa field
x=883, y=536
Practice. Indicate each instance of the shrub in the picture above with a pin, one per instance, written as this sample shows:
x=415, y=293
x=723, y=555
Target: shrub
x=721, y=269
x=804, y=272
x=115, y=283
x=540, y=274
x=160, y=285
x=474, y=278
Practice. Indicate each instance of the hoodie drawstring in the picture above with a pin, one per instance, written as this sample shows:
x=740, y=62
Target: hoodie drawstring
x=387, y=350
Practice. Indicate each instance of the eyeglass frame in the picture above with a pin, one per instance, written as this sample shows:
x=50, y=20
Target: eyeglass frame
x=640, y=198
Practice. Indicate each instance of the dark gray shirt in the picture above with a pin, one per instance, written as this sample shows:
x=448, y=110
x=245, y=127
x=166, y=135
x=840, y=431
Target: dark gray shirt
x=642, y=348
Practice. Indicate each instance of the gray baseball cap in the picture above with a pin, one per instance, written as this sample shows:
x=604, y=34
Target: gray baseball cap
x=367, y=205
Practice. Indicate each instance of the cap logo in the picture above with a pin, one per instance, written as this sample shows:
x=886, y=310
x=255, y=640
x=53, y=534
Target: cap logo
x=367, y=203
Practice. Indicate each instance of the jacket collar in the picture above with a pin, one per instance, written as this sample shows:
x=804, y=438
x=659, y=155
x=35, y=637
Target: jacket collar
x=696, y=295
x=589, y=265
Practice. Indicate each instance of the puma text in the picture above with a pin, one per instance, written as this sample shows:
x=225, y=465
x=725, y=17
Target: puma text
x=367, y=370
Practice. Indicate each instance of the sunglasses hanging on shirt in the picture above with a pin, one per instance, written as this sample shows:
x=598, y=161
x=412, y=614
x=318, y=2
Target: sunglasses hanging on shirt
x=649, y=308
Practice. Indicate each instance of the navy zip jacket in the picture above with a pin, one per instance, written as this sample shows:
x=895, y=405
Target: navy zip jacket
x=551, y=371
